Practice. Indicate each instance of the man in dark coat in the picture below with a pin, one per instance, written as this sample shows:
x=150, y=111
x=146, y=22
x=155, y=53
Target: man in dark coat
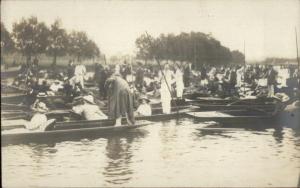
x=187, y=75
x=139, y=78
x=271, y=81
x=120, y=99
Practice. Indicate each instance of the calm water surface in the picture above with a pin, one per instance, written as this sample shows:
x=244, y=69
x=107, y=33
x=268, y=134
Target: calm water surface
x=171, y=153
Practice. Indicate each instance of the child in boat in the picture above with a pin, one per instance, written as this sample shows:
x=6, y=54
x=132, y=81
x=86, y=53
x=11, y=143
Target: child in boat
x=144, y=108
x=87, y=108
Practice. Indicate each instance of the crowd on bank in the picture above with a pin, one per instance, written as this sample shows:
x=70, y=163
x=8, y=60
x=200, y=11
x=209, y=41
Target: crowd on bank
x=127, y=88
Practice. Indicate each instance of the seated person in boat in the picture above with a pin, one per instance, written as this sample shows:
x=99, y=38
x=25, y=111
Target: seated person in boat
x=57, y=85
x=39, y=119
x=144, y=108
x=86, y=107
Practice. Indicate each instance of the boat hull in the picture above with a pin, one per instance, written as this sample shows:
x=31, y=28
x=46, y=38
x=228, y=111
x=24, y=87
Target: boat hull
x=64, y=134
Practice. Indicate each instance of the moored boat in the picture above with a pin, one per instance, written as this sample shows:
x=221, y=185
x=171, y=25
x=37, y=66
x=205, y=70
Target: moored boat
x=10, y=72
x=66, y=131
x=233, y=117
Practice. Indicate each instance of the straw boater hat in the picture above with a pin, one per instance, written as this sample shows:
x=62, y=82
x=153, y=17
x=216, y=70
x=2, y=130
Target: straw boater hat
x=144, y=97
x=89, y=99
x=41, y=95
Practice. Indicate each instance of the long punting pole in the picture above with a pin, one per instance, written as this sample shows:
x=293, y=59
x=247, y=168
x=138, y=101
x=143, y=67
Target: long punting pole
x=244, y=68
x=297, y=48
x=163, y=74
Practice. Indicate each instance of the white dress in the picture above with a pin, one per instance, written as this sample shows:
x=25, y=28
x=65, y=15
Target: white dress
x=144, y=110
x=165, y=93
x=36, y=121
x=239, y=76
x=179, y=83
x=89, y=111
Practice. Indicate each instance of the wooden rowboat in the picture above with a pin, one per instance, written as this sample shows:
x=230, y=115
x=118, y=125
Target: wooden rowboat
x=60, y=114
x=67, y=131
x=10, y=72
x=212, y=104
x=233, y=117
x=19, y=123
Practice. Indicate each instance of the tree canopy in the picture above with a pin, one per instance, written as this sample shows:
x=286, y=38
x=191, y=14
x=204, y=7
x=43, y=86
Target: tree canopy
x=7, y=43
x=196, y=47
x=32, y=37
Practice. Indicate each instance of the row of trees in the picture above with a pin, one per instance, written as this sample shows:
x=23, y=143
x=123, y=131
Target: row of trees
x=195, y=47
x=31, y=38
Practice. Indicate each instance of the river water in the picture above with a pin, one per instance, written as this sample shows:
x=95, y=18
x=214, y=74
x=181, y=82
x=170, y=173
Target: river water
x=170, y=153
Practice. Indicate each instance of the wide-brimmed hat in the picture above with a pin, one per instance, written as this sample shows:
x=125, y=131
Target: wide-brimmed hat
x=56, y=81
x=41, y=95
x=144, y=97
x=89, y=99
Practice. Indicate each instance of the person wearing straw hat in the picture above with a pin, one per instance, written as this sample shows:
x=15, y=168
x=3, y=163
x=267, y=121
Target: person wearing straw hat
x=86, y=107
x=120, y=98
x=144, y=108
x=39, y=118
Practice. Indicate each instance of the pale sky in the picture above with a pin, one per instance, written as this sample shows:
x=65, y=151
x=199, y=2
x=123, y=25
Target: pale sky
x=267, y=26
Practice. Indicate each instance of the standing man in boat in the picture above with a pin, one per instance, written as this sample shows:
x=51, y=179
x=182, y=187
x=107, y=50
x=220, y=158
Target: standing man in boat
x=79, y=73
x=271, y=81
x=179, y=82
x=70, y=69
x=187, y=74
x=120, y=98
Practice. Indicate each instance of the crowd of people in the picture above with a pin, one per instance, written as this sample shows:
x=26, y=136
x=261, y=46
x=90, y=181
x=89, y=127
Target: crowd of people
x=126, y=88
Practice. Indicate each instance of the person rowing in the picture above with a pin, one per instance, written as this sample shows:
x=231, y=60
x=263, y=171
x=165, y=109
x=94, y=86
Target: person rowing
x=144, y=108
x=120, y=98
x=87, y=108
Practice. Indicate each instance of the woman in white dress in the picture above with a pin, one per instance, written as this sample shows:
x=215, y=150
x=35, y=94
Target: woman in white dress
x=165, y=91
x=179, y=82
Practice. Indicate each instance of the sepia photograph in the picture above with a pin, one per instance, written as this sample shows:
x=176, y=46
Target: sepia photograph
x=150, y=93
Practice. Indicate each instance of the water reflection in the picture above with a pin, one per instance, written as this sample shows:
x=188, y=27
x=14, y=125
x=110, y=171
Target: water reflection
x=278, y=135
x=119, y=153
x=172, y=153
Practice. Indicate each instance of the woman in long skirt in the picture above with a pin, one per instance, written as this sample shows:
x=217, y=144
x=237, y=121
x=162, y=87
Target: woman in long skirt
x=165, y=92
x=120, y=98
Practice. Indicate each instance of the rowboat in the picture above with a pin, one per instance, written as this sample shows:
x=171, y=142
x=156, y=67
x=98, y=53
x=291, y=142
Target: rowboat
x=233, y=117
x=212, y=104
x=67, y=131
x=60, y=113
x=10, y=72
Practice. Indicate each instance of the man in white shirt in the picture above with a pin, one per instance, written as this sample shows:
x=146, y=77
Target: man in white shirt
x=79, y=73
